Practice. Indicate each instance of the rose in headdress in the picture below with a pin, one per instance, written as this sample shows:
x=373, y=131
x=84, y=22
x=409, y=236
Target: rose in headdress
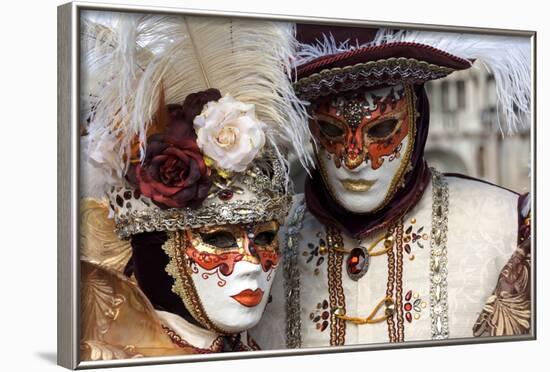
x=229, y=133
x=173, y=173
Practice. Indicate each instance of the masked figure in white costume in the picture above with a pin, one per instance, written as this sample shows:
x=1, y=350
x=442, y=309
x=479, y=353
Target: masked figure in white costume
x=189, y=121
x=382, y=248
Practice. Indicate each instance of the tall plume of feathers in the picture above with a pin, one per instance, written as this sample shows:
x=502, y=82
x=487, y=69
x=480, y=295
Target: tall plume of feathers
x=508, y=58
x=129, y=57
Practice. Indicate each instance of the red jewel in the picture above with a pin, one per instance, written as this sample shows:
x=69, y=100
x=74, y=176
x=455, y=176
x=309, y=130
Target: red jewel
x=408, y=306
x=356, y=261
x=225, y=194
x=409, y=317
x=408, y=295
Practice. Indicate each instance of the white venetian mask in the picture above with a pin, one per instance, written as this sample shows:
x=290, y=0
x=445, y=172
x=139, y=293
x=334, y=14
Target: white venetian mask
x=224, y=273
x=366, y=141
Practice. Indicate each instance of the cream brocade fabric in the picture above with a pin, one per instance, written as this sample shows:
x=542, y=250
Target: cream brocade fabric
x=481, y=237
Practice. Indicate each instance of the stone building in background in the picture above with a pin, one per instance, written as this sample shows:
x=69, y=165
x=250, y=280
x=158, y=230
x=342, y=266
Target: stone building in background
x=464, y=136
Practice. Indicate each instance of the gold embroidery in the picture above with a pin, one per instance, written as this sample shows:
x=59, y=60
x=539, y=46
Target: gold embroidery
x=215, y=347
x=392, y=334
x=336, y=291
x=399, y=281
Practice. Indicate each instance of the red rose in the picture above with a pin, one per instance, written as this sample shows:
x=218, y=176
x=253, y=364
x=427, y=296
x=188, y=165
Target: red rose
x=173, y=174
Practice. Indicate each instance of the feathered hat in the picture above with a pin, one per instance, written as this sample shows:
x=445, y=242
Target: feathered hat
x=333, y=60
x=189, y=119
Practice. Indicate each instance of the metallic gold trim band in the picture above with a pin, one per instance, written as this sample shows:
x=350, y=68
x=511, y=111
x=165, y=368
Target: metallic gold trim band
x=336, y=291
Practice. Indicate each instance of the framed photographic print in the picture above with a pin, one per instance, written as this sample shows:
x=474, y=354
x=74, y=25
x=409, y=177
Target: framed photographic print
x=236, y=186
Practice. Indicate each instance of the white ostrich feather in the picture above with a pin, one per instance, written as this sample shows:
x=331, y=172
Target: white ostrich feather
x=507, y=58
x=250, y=60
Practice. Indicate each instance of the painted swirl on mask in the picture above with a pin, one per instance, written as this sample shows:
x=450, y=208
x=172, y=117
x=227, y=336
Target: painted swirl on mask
x=225, y=262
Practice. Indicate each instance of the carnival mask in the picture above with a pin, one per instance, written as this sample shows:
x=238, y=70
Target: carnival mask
x=224, y=273
x=366, y=140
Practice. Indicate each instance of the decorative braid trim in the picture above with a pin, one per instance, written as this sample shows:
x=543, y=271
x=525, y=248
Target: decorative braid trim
x=336, y=291
x=291, y=274
x=438, y=257
x=389, y=71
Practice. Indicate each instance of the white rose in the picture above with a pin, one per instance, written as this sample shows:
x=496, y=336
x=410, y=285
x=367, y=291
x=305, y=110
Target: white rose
x=229, y=133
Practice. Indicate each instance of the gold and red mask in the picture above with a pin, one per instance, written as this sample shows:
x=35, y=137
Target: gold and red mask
x=365, y=142
x=360, y=127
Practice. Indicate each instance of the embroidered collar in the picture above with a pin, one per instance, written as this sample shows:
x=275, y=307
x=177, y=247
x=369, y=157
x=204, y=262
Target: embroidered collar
x=185, y=334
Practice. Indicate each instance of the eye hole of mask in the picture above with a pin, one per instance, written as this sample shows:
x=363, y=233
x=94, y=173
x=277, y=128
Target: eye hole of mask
x=220, y=239
x=329, y=129
x=382, y=129
x=265, y=238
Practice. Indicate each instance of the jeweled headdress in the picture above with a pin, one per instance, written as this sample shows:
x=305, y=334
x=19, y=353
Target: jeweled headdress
x=189, y=120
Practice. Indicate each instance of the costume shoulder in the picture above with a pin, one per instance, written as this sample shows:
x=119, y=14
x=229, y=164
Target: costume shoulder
x=473, y=191
x=483, y=210
x=118, y=321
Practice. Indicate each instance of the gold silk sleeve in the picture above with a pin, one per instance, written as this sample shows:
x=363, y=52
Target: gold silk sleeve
x=98, y=241
x=117, y=320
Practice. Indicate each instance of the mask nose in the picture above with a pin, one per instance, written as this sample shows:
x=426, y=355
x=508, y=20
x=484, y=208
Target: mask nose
x=354, y=151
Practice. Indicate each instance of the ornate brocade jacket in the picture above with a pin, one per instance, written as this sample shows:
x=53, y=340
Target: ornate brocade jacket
x=456, y=267
x=119, y=322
